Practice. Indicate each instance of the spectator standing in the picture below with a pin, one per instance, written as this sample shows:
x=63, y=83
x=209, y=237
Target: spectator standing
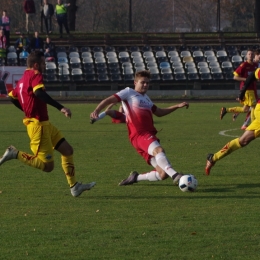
x=29, y=8
x=47, y=13
x=2, y=44
x=61, y=16
x=36, y=43
x=49, y=48
x=6, y=27
x=22, y=44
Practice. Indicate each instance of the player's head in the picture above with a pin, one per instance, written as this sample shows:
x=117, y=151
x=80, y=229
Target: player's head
x=141, y=81
x=250, y=55
x=257, y=55
x=36, y=61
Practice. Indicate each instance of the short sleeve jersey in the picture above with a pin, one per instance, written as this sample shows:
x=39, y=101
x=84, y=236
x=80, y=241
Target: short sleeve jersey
x=138, y=110
x=32, y=106
x=244, y=70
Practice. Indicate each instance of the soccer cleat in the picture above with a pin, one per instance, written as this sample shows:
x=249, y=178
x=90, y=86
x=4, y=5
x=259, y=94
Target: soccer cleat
x=10, y=153
x=243, y=127
x=176, y=177
x=130, y=180
x=78, y=188
x=209, y=163
x=235, y=115
x=223, y=111
x=92, y=120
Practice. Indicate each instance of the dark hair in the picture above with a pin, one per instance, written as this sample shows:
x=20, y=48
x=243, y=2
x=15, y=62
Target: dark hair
x=34, y=57
x=257, y=51
x=143, y=73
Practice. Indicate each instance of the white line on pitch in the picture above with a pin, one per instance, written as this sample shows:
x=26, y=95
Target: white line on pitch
x=229, y=130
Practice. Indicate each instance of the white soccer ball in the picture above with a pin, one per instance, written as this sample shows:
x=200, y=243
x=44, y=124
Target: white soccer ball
x=188, y=183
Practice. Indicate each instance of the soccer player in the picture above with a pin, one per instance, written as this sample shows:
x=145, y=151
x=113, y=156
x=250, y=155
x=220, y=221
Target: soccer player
x=117, y=116
x=139, y=110
x=241, y=74
x=251, y=132
x=30, y=97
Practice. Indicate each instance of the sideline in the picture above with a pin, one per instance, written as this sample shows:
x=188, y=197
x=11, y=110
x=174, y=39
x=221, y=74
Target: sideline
x=224, y=132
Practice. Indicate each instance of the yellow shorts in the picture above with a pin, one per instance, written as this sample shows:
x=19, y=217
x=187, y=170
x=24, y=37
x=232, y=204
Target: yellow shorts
x=43, y=138
x=255, y=125
x=250, y=98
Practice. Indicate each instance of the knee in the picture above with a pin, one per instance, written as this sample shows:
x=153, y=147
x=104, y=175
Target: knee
x=48, y=167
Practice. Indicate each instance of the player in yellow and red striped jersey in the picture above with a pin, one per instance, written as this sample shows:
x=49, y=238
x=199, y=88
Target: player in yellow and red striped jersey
x=30, y=97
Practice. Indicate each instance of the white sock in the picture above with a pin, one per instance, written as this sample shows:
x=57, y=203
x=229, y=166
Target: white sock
x=163, y=162
x=101, y=115
x=149, y=176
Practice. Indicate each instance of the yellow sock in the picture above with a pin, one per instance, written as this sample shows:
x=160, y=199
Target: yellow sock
x=30, y=160
x=235, y=110
x=252, y=114
x=69, y=169
x=227, y=149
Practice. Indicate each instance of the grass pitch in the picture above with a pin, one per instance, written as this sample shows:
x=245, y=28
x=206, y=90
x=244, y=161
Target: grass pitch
x=39, y=219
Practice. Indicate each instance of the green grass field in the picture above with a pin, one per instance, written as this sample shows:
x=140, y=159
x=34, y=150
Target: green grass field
x=39, y=219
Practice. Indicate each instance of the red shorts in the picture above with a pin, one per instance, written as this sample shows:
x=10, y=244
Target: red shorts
x=119, y=118
x=142, y=142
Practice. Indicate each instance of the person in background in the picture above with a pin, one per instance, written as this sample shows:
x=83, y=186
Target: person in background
x=22, y=44
x=6, y=27
x=29, y=9
x=61, y=16
x=2, y=44
x=49, y=48
x=36, y=42
x=47, y=14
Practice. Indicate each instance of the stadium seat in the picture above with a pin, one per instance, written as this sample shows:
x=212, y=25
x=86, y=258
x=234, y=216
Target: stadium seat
x=236, y=58
x=190, y=64
x=12, y=59
x=178, y=71
x=183, y=48
x=114, y=71
x=226, y=64
x=211, y=59
x=205, y=76
x=100, y=60
x=191, y=70
x=50, y=77
x=97, y=49
x=152, y=64
x=137, y=59
x=199, y=59
x=164, y=65
x=62, y=59
x=73, y=54
x=111, y=54
x=73, y=49
x=99, y=54
x=187, y=59
x=123, y=54
x=170, y=48
x=158, y=48
x=233, y=53
x=75, y=63
x=174, y=59
x=61, y=54
x=216, y=70
x=11, y=49
x=147, y=54
x=214, y=64
x=236, y=64
x=101, y=65
x=77, y=75
x=136, y=54
x=150, y=59
x=155, y=77
x=89, y=71
x=122, y=48
x=160, y=54
x=113, y=65
x=102, y=71
x=180, y=76
x=204, y=70
x=134, y=49
x=87, y=60
x=193, y=76
x=50, y=68
x=146, y=48
x=129, y=77
x=90, y=78
x=166, y=71
x=202, y=64
x=229, y=76
x=162, y=59
x=197, y=53
x=167, y=77
x=139, y=66
x=103, y=77
x=217, y=76
x=177, y=65
x=86, y=54
x=124, y=59
x=154, y=70
x=173, y=54
x=221, y=54
x=219, y=48
x=112, y=60
x=85, y=49
x=185, y=54
x=223, y=58
x=63, y=65
x=207, y=48
x=209, y=53
x=226, y=70
x=127, y=70
x=243, y=53
x=195, y=48
x=64, y=75
x=110, y=49
x=115, y=78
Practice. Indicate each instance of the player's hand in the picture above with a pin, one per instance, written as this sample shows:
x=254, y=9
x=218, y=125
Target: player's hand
x=66, y=112
x=184, y=104
x=94, y=114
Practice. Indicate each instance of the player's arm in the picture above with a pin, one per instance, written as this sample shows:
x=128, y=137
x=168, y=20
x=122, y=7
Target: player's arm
x=16, y=103
x=165, y=111
x=42, y=95
x=104, y=103
x=251, y=78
